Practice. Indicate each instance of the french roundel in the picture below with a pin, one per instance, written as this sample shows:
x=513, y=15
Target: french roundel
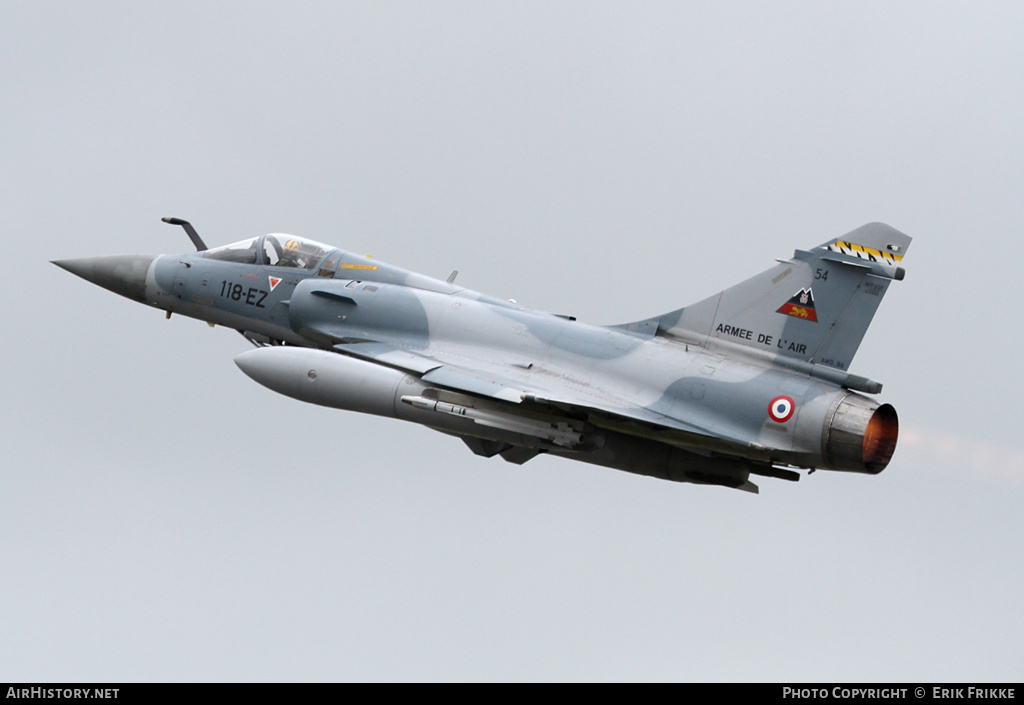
x=781, y=409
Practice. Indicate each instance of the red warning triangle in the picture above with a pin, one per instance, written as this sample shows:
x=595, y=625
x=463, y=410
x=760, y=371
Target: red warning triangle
x=274, y=281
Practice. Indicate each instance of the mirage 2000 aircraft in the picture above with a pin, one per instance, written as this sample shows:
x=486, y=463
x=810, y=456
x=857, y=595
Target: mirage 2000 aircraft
x=750, y=381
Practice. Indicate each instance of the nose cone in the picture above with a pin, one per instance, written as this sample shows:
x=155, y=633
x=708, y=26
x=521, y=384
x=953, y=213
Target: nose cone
x=122, y=274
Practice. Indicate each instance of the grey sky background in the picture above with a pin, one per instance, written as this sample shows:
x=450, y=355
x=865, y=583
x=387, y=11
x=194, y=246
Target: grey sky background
x=164, y=518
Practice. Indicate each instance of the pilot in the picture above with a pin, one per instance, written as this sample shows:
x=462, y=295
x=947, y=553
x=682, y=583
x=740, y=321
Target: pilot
x=290, y=258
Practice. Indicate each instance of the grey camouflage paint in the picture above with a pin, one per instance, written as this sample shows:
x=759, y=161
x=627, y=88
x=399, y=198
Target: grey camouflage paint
x=753, y=380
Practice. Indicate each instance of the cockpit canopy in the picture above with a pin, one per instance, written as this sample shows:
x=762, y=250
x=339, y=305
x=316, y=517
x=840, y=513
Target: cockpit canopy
x=276, y=250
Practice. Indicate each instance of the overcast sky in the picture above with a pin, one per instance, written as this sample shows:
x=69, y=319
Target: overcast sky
x=162, y=517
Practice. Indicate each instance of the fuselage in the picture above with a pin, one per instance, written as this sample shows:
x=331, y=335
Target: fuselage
x=612, y=369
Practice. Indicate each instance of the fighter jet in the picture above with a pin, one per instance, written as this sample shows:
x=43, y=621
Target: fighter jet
x=751, y=381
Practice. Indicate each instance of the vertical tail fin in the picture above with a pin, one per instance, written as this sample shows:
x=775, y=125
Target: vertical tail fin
x=814, y=307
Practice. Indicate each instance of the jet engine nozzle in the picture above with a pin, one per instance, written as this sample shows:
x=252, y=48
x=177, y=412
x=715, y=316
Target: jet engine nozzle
x=860, y=435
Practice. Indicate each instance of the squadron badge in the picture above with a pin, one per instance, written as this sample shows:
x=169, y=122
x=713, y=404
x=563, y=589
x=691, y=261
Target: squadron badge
x=801, y=306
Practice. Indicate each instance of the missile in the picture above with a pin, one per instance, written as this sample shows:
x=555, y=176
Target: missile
x=558, y=432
